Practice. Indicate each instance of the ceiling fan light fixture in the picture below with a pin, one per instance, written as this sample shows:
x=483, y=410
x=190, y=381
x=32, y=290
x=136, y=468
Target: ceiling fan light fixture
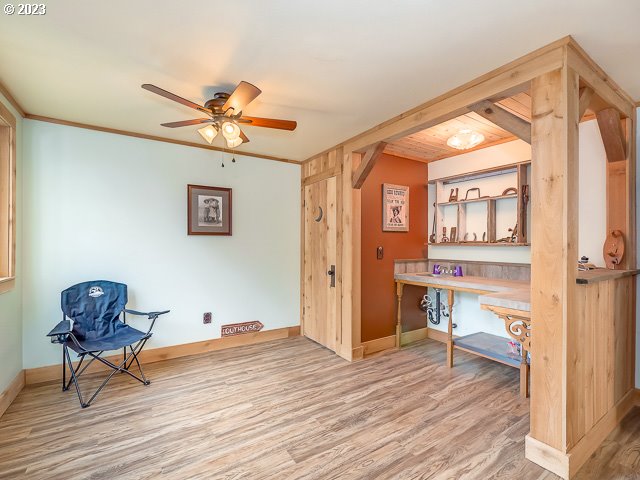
x=234, y=143
x=208, y=133
x=465, y=139
x=231, y=131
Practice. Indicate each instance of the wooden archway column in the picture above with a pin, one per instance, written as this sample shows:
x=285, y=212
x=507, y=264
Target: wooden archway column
x=583, y=336
x=582, y=357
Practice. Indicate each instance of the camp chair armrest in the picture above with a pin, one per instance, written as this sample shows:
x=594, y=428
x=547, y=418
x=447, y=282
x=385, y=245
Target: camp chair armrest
x=60, y=332
x=150, y=315
x=153, y=316
x=63, y=328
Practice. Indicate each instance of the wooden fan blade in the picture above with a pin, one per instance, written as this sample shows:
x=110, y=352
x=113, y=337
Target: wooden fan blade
x=244, y=138
x=269, y=123
x=174, y=97
x=243, y=95
x=186, y=123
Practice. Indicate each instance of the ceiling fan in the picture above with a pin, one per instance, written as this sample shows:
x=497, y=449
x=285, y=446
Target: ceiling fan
x=224, y=113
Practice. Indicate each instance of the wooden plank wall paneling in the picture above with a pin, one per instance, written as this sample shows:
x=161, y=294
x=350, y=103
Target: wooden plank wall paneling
x=327, y=165
x=600, y=351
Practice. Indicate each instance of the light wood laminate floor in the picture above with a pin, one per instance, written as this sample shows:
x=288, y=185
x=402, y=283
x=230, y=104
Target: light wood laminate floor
x=291, y=409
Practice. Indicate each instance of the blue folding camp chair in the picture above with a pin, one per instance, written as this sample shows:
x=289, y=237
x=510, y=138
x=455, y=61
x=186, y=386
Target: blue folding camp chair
x=95, y=309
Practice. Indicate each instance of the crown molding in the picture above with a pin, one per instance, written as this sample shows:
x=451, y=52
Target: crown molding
x=145, y=136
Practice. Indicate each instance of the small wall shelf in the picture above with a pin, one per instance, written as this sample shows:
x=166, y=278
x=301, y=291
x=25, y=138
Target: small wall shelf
x=482, y=199
x=513, y=175
x=482, y=244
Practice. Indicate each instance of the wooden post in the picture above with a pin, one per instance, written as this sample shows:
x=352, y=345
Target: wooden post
x=450, y=330
x=399, y=288
x=554, y=209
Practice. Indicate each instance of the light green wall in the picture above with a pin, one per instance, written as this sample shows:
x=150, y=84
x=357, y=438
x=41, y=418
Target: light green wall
x=11, y=302
x=104, y=206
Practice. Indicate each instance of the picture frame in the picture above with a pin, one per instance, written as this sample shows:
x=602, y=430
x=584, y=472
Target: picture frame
x=209, y=210
x=395, y=208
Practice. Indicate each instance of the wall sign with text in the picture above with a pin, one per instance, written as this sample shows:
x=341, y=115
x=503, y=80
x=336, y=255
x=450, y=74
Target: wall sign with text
x=240, y=328
x=395, y=208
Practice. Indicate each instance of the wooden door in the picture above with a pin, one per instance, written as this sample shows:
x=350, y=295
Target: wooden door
x=321, y=296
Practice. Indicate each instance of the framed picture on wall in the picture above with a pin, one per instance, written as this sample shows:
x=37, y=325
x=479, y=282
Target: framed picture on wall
x=209, y=210
x=395, y=208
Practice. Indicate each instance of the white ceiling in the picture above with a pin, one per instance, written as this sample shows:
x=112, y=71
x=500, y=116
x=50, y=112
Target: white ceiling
x=337, y=67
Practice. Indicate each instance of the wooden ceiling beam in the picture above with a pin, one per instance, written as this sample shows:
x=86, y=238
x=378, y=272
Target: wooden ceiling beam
x=586, y=94
x=504, y=119
x=612, y=134
x=366, y=165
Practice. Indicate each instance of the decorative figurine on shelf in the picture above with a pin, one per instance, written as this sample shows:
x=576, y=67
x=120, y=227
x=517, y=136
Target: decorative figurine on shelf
x=453, y=234
x=444, y=235
x=584, y=265
x=613, y=249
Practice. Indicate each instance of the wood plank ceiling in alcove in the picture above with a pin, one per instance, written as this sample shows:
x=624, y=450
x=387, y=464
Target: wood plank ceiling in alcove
x=431, y=144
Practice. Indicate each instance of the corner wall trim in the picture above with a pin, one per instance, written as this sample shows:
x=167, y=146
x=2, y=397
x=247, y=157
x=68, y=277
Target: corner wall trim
x=389, y=343
x=127, y=133
x=53, y=372
x=379, y=345
x=547, y=457
x=12, y=391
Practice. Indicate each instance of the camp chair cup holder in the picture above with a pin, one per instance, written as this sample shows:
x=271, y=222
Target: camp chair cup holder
x=92, y=325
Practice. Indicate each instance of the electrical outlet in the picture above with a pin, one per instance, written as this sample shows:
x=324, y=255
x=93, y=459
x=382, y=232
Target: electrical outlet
x=206, y=318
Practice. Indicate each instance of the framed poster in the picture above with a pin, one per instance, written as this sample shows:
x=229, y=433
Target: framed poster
x=395, y=208
x=209, y=210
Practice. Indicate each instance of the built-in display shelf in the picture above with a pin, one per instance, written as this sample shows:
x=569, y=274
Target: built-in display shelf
x=515, y=176
x=481, y=244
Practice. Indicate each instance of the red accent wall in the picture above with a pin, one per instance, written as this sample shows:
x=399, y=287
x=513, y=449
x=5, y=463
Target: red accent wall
x=379, y=301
